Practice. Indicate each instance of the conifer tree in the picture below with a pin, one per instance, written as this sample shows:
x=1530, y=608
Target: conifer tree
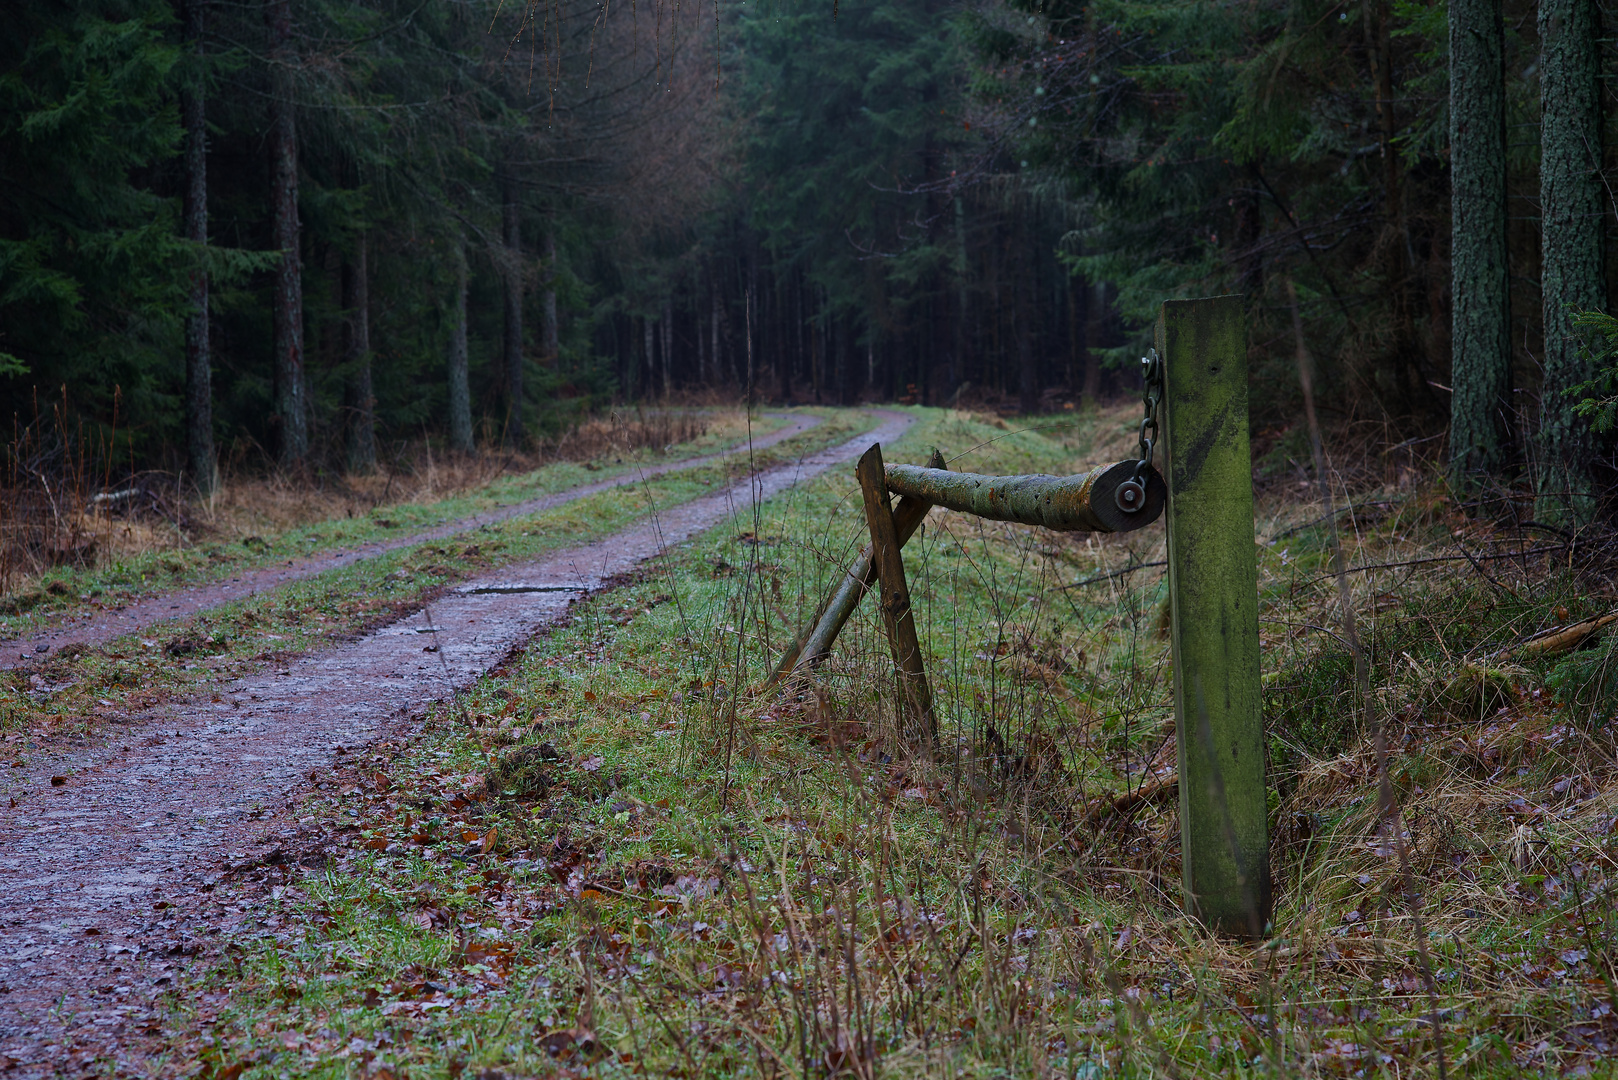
x=1572, y=257
x=460, y=395
x=198, y=356
x=291, y=403
x=1480, y=378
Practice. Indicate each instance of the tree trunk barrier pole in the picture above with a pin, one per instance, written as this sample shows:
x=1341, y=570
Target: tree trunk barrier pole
x=1213, y=596
x=1084, y=503
x=915, y=696
x=814, y=641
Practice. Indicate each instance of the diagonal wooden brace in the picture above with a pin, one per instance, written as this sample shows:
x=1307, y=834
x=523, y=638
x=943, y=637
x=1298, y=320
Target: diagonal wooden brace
x=813, y=643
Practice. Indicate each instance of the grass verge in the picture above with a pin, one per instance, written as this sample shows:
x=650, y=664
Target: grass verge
x=256, y=523
x=617, y=859
x=73, y=690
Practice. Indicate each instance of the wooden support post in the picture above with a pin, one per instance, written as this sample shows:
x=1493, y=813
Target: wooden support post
x=1213, y=590
x=814, y=641
x=915, y=697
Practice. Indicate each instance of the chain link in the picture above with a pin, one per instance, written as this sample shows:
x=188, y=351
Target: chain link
x=1131, y=494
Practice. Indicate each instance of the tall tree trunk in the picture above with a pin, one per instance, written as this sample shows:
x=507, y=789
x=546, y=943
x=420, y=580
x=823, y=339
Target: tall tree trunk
x=790, y=346
x=718, y=354
x=1379, y=48
x=1571, y=243
x=1027, y=358
x=958, y=358
x=513, y=274
x=702, y=362
x=1480, y=317
x=1090, y=359
x=649, y=337
x=198, y=357
x=668, y=346
x=553, y=332
x=361, y=403
x=460, y=393
x=1249, y=232
x=291, y=402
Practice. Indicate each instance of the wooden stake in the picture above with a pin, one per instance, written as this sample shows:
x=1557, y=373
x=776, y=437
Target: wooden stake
x=915, y=696
x=1213, y=591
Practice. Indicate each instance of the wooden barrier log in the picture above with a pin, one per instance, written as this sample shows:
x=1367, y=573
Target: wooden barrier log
x=1083, y=503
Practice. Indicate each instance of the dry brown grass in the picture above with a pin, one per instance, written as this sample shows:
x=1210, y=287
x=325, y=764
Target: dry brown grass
x=63, y=504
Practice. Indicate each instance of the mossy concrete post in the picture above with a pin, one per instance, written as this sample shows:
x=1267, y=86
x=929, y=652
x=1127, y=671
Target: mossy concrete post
x=1213, y=591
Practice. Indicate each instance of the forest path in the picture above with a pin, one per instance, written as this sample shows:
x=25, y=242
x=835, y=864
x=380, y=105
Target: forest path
x=106, y=879
x=97, y=626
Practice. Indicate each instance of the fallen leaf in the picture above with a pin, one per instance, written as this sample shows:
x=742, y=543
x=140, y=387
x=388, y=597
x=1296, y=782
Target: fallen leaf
x=489, y=840
x=592, y=763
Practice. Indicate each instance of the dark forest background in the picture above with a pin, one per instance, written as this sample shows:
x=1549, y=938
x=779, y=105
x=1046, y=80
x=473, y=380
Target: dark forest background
x=289, y=231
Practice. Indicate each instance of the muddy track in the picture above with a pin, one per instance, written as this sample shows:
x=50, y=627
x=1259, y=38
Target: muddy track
x=95, y=627
x=106, y=880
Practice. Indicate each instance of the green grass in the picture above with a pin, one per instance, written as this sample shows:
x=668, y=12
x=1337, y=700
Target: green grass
x=673, y=874
x=201, y=560
x=218, y=645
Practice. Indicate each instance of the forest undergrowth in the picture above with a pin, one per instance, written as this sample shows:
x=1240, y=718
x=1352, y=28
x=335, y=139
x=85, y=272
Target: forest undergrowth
x=621, y=856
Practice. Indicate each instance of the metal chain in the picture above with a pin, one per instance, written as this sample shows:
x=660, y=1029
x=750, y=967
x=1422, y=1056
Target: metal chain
x=1131, y=494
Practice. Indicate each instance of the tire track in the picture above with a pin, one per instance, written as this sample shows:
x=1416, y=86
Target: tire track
x=98, y=627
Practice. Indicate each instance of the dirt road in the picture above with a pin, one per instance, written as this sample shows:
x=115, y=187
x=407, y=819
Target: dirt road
x=95, y=626
x=105, y=878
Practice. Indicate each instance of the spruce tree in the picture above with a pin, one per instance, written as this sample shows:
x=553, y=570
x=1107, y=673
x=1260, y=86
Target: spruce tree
x=198, y=357
x=460, y=396
x=1480, y=374
x=512, y=272
x=291, y=403
x=1572, y=277
x=361, y=404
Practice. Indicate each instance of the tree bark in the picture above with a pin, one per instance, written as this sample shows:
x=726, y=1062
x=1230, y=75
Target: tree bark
x=553, y=334
x=513, y=274
x=958, y=358
x=1022, y=316
x=1480, y=314
x=649, y=338
x=460, y=394
x=667, y=328
x=198, y=356
x=1091, y=393
x=291, y=403
x=1571, y=244
x=361, y=403
x=715, y=356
